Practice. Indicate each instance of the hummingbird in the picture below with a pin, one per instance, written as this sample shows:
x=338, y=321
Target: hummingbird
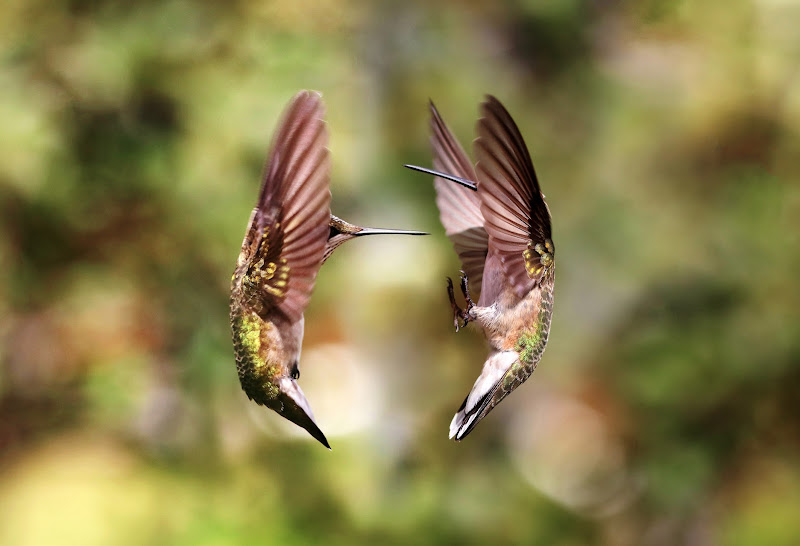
x=499, y=224
x=291, y=232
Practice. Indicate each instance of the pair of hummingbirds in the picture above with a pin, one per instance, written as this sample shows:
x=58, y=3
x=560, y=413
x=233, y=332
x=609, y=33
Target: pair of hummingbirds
x=494, y=213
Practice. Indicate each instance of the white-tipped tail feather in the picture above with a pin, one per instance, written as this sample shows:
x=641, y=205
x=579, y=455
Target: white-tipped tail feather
x=482, y=396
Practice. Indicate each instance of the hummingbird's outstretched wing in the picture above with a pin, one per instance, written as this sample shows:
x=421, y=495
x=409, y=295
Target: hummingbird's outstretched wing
x=516, y=215
x=289, y=227
x=459, y=207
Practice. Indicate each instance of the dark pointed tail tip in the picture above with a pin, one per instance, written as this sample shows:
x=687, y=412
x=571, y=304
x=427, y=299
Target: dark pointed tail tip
x=453, y=178
x=318, y=435
x=302, y=417
x=311, y=427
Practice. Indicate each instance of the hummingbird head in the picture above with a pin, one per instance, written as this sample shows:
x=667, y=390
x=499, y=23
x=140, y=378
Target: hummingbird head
x=291, y=403
x=342, y=231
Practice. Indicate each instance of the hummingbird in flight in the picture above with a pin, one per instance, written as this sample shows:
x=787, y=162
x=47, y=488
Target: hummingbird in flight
x=290, y=234
x=499, y=224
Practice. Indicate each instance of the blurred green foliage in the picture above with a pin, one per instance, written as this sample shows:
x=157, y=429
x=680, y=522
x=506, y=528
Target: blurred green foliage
x=666, y=137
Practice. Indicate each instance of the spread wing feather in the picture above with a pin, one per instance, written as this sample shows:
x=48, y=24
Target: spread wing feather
x=516, y=215
x=289, y=228
x=459, y=207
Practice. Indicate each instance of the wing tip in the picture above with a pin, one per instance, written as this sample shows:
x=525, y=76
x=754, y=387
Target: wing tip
x=308, y=94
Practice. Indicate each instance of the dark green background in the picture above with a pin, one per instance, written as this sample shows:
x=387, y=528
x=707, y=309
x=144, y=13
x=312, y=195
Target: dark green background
x=665, y=411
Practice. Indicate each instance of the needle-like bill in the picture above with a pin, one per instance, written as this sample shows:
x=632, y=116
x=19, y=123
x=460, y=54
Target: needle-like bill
x=457, y=179
x=376, y=231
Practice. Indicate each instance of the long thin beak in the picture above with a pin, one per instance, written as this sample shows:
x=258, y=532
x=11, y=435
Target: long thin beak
x=457, y=179
x=377, y=231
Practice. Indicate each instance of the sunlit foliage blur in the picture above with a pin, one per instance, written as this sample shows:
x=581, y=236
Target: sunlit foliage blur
x=666, y=136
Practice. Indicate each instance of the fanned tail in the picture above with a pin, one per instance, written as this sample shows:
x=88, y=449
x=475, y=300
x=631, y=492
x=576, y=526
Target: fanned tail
x=486, y=393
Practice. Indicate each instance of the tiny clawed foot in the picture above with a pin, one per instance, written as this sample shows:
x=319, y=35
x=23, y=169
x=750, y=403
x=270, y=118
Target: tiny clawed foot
x=465, y=290
x=458, y=313
x=467, y=313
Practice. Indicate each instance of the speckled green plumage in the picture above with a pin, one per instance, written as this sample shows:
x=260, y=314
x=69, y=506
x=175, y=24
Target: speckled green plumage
x=255, y=372
x=532, y=342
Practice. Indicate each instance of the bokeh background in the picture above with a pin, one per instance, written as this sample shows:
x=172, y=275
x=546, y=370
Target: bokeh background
x=665, y=411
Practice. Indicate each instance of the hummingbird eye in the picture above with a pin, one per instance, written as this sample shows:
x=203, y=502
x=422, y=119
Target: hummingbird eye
x=295, y=373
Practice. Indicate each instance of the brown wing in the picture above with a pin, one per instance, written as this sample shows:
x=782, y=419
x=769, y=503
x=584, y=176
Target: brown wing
x=289, y=228
x=516, y=215
x=459, y=207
